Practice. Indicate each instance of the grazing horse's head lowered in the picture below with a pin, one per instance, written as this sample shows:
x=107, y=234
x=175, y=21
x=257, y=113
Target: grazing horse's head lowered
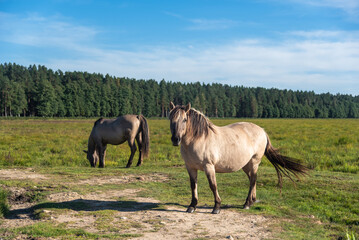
x=92, y=158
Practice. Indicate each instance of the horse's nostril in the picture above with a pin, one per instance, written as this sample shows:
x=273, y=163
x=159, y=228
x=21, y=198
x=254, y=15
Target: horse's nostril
x=175, y=140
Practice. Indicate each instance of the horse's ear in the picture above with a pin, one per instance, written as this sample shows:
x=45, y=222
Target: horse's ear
x=188, y=107
x=172, y=106
x=85, y=151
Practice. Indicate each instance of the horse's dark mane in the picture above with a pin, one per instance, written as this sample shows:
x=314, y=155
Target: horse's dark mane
x=197, y=125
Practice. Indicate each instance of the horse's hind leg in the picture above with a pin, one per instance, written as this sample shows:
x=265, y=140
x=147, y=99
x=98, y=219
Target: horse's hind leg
x=251, y=170
x=131, y=143
x=139, y=143
x=95, y=157
x=211, y=176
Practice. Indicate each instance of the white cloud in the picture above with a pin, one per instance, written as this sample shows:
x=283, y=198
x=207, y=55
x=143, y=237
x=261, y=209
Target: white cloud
x=323, y=61
x=38, y=31
x=351, y=7
x=318, y=34
x=323, y=66
x=205, y=24
x=211, y=24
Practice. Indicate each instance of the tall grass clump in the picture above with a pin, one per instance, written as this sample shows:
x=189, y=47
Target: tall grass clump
x=4, y=207
x=350, y=236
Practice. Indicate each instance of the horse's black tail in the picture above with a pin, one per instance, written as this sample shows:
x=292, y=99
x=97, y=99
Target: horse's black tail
x=145, y=149
x=98, y=121
x=284, y=165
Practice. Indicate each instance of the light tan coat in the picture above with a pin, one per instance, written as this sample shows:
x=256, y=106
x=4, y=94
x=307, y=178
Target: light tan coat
x=214, y=149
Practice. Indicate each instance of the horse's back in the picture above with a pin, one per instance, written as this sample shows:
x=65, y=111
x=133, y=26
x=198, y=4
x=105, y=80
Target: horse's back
x=122, y=122
x=251, y=130
x=127, y=121
x=117, y=131
x=251, y=135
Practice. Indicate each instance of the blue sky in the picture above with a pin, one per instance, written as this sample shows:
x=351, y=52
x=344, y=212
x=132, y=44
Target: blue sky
x=309, y=45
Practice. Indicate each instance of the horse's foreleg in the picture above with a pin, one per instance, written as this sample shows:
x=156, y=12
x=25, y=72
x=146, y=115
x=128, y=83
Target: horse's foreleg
x=133, y=147
x=139, y=143
x=102, y=156
x=193, y=179
x=211, y=176
x=95, y=158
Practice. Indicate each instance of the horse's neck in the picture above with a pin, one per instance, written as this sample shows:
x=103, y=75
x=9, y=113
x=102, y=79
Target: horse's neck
x=91, y=146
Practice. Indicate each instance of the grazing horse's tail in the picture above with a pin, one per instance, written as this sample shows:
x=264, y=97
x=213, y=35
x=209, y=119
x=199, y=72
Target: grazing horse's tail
x=145, y=135
x=100, y=120
x=284, y=165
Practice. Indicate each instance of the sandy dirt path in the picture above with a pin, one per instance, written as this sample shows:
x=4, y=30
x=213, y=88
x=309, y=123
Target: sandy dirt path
x=107, y=212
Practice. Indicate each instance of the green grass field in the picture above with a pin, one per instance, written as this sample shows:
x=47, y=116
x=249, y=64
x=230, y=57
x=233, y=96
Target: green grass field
x=324, y=205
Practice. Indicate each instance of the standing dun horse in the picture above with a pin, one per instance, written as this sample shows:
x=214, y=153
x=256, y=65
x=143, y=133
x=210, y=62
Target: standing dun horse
x=115, y=132
x=210, y=148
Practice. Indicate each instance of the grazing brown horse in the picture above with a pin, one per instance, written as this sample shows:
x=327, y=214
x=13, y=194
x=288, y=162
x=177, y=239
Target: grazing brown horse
x=210, y=148
x=115, y=132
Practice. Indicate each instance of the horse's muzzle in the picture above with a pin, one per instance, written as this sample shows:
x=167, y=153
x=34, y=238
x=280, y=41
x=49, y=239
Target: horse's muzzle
x=176, y=141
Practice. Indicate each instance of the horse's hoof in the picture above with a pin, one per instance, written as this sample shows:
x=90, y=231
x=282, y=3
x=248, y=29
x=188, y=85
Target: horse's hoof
x=128, y=166
x=216, y=211
x=245, y=207
x=190, y=209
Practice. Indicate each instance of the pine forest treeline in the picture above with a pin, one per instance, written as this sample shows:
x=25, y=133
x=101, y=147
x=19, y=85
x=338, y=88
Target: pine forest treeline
x=39, y=91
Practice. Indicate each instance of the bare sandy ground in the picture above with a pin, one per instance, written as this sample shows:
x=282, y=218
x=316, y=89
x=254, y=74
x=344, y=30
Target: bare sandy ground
x=134, y=215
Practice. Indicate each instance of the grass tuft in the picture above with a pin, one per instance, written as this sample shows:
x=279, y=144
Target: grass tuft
x=4, y=207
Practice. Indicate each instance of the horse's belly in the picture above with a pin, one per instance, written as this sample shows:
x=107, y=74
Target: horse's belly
x=114, y=141
x=221, y=169
x=118, y=142
x=223, y=162
x=229, y=166
x=222, y=165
